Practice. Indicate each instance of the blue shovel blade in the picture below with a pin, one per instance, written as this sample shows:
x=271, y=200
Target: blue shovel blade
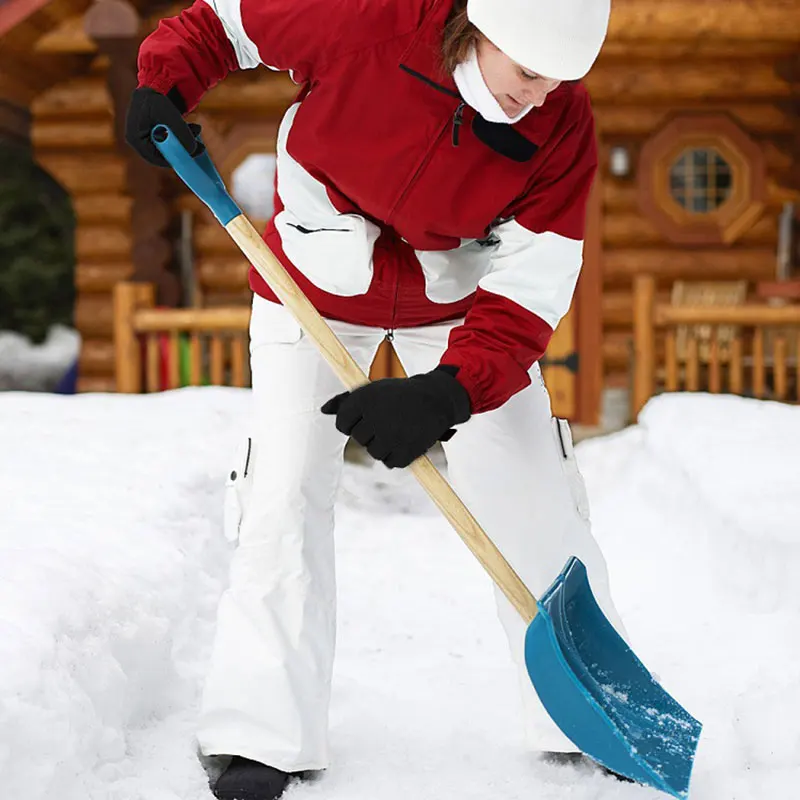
x=599, y=693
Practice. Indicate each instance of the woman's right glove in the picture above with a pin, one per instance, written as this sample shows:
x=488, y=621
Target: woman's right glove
x=148, y=108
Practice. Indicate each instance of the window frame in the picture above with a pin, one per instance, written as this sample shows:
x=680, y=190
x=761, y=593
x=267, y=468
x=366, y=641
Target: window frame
x=736, y=214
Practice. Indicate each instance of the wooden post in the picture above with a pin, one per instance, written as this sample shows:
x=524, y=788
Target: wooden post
x=128, y=299
x=114, y=26
x=644, y=368
x=589, y=313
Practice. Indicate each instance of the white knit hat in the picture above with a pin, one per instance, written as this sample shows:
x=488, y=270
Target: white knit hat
x=554, y=38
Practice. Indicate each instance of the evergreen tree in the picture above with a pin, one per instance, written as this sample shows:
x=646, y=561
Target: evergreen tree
x=37, y=251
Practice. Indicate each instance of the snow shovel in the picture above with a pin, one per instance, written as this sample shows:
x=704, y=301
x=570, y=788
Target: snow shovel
x=591, y=683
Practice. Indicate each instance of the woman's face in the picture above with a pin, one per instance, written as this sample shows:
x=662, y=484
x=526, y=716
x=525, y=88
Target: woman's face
x=512, y=86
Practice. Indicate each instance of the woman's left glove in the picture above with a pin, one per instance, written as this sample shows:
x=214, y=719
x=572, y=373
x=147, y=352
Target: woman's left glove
x=400, y=419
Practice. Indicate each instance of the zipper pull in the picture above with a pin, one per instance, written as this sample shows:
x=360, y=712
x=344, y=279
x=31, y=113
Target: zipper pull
x=390, y=336
x=458, y=120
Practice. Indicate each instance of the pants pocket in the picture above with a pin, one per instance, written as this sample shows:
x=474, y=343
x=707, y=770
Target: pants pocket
x=566, y=449
x=238, y=487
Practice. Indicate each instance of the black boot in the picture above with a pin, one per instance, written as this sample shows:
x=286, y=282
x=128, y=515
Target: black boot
x=576, y=759
x=248, y=780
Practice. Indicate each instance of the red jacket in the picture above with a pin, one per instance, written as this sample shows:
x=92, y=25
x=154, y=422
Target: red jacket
x=397, y=205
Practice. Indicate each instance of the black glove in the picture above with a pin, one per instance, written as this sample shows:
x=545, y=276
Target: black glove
x=400, y=419
x=148, y=108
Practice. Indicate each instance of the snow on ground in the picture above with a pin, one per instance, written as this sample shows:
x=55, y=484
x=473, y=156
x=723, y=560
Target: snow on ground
x=27, y=367
x=112, y=559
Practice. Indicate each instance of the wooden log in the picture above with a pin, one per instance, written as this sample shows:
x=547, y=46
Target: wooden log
x=128, y=300
x=101, y=277
x=217, y=356
x=667, y=51
x=82, y=134
x=80, y=97
x=68, y=37
x=107, y=173
x=650, y=83
x=100, y=208
x=587, y=319
x=714, y=367
x=692, y=365
x=643, y=343
x=94, y=315
x=633, y=230
x=103, y=384
x=228, y=299
x=777, y=160
x=618, y=307
x=195, y=360
x=174, y=365
x=624, y=196
x=750, y=263
x=97, y=357
x=213, y=240
x=617, y=351
x=736, y=367
x=622, y=118
x=780, y=371
x=15, y=122
x=153, y=364
x=150, y=217
x=735, y=20
x=270, y=93
x=671, y=382
x=101, y=243
x=759, y=365
x=223, y=274
x=756, y=315
x=239, y=361
x=16, y=91
x=203, y=320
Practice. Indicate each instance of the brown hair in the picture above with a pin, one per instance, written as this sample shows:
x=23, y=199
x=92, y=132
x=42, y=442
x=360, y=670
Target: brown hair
x=460, y=35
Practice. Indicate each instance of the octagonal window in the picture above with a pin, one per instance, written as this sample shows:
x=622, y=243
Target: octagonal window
x=700, y=180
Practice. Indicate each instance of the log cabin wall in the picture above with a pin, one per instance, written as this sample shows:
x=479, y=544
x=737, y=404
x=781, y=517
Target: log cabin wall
x=74, y=141
x=663, y=62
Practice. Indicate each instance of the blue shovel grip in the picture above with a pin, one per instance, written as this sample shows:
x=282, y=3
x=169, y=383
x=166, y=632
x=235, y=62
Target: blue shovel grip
x=198, y=173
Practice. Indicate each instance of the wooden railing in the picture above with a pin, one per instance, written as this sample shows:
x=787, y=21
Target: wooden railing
x=161, y=348
x=156, y=349
x=749, y=350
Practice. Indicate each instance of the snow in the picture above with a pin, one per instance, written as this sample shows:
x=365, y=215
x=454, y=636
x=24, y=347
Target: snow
x=112, y=559
x=25, y=366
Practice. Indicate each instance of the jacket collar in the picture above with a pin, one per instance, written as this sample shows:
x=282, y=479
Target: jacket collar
x=422, y=59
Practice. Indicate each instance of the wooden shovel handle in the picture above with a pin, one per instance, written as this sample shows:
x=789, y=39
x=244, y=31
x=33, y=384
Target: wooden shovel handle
x=343, y=364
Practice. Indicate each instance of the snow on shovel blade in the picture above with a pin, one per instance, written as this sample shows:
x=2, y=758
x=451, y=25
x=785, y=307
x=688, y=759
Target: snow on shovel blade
x=600, y=694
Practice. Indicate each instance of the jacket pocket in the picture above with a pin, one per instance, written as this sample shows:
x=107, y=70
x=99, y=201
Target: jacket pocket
x=566, y=449
x=334, y=253
x=452, y=275
x=272, y=323
x=238, y=487
x=333, y=250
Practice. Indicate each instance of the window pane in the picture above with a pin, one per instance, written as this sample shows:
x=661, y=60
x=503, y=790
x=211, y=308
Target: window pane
x=700, y=180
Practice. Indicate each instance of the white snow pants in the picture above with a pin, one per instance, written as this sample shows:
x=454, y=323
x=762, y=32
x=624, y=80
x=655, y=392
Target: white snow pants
x=268, y=688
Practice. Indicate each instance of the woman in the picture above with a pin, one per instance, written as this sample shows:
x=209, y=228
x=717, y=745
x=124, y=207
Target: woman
x=432, y=180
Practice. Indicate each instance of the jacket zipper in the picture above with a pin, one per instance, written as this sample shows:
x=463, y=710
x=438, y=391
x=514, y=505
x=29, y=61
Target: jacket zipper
x=420, y=169
x=458, y=121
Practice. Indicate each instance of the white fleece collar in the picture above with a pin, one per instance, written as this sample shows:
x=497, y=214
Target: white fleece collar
x=476, y=94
